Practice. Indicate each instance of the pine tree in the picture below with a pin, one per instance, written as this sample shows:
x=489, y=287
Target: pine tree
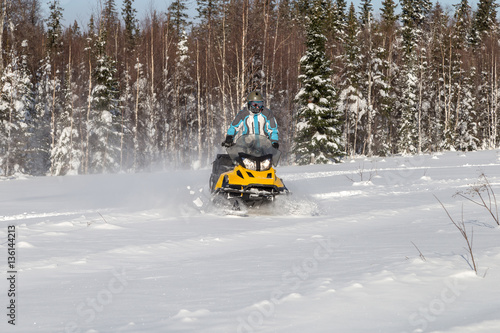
x=465, y=132
x=371, y=65
x=127, y=100
x=16, y=105
x=388, y=13
x=335, y=24
x=208, y=9
x=335, y=33
x=342, y=12
x=66, y=156
x=109, y=25
x=210, y=45
x=184, y=100
x=484, y=40
x=131, y=26
x=386, y=125
x=340, y=22
x=300, y=10
x=438, y=117
x=456, y=125
x=352, y=101
x=466, y=129
x=53, y=65
x=413, y=15
x=181, y=84
x=178, y=12
x=366, y=13
x=54, y=27
x=139, y=132
x=484, y=20
x=105, y=133
x=110, y=15
x=26, y=109
x=42, y=125
x=318, y=136
x=462, y=26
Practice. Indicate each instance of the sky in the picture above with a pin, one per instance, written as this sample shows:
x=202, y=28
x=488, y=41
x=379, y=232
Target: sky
x=81, y=10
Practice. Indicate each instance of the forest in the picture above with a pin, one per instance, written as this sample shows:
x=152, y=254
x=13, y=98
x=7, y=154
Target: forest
x=129, y=94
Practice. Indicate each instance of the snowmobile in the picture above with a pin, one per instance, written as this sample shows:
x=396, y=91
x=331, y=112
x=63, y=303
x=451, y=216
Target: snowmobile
x=246, y=174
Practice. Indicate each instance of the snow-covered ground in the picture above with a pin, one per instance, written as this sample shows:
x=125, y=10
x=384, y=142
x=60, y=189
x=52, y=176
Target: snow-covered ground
x=362, y=246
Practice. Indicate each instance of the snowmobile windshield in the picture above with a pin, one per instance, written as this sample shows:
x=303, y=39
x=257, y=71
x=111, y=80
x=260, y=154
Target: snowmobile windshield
x=253, y=146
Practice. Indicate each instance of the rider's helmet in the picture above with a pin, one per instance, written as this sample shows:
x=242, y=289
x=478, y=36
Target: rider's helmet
x=255, y=102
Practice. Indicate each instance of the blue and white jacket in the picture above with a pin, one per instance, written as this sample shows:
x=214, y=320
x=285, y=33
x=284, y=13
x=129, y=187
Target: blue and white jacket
x=262, y=123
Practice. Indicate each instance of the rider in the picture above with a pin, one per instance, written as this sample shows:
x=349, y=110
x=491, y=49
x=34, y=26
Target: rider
x=253, y=119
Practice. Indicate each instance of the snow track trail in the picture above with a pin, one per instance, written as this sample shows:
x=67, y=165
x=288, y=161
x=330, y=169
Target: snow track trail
x=361, y=246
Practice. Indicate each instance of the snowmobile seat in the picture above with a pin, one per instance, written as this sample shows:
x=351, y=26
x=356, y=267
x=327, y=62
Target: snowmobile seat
x=222, y=163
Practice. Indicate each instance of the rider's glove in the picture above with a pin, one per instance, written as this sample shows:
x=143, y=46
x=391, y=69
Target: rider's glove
x=228, y=142
x=276, y=145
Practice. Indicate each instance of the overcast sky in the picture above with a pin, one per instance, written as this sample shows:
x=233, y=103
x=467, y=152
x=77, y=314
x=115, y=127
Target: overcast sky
x=81, y=10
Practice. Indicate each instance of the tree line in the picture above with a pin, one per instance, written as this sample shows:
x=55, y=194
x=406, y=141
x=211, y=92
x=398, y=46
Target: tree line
x=125, y=95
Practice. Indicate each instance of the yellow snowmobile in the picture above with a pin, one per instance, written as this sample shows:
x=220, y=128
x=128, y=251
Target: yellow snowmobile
x=246, y=174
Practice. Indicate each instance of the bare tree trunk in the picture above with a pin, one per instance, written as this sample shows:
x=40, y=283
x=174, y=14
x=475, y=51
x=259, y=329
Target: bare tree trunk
x=269, y=82
x=152, y=61
x=208, y=93
x=136, y=114
x=354, y=150
x=71, y=113
x=369, y=126
x=495, y=108
x=3, y=13
x=420, y=103
x=224, y=111
x=198, y=102
x=458, y=92
x=389, y=73
x=116, y=43
x=369, y=130
x=89, y=106
x=168, y=122
x=9, y=138
x=242, y=72
x=152, y=112
x=264, y=68
x=122, y=134
x=53, y=116
x=494, y=99
x=221, y=79
x=450, y=83
x=346, y=134
x=177, y=133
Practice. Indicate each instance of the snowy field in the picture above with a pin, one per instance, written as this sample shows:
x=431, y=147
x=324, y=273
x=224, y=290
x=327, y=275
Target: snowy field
x=362, y=246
